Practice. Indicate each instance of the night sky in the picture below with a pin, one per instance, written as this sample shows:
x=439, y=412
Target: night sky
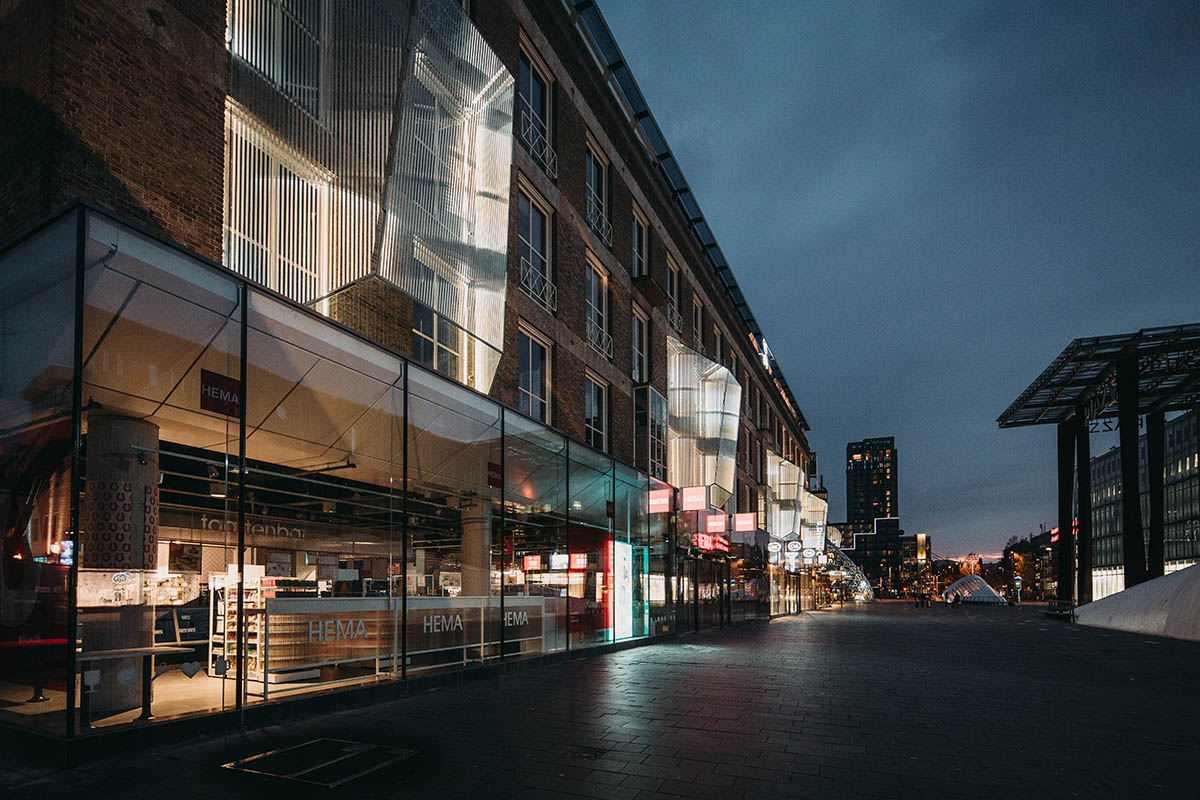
x=925, y=203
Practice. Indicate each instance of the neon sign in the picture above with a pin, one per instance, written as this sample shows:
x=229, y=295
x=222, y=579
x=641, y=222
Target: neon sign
x=708, y=541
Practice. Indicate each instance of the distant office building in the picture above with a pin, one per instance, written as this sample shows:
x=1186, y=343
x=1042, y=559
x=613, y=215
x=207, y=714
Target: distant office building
x=1181, y=504
x=878, y=553
x=872, y=483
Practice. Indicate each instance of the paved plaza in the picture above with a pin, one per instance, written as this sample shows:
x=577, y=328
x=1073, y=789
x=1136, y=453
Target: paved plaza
x=881, y=701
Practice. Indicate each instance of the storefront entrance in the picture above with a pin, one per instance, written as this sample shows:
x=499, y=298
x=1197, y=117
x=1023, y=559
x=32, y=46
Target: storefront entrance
x=703, y=592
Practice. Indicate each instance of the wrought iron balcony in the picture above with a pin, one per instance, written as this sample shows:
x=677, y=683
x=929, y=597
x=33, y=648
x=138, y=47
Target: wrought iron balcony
x=538, y=286
x=674, y=318
x=599, y=338
x=534, y=138
x=596, y=219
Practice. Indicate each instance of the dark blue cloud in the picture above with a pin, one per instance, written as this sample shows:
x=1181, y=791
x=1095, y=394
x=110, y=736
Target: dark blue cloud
x=925, y=202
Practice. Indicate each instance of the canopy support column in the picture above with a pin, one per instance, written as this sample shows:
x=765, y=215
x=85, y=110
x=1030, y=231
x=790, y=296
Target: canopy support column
x=1131, y=498
x=1083, y=505
x=1066, y=485
x=1155, y=441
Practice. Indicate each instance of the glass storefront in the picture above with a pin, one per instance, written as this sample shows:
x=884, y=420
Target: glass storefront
x=346, y=518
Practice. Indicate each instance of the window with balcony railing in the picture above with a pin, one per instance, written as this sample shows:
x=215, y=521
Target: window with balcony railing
x=596, y=310
x=596, y=191
x=533, y=237
x=533, y=128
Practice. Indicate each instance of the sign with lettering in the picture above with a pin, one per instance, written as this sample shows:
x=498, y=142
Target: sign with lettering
x=694, y=498
x=715, y=523
x=708, y=541
x=579, y=560
x=495, y=475
x=220, y=393
x=533, y=563
x=745, y=522
x=659, y=501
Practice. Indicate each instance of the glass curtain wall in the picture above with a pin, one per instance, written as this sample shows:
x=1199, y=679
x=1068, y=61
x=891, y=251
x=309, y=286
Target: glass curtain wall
x=269, y=505
x=37, y=340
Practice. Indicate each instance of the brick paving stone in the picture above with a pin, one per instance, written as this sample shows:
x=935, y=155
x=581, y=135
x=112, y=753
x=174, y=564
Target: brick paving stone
x=878, y=701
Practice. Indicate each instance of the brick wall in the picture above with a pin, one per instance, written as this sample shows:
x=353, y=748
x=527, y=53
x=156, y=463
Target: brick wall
x=124, y=104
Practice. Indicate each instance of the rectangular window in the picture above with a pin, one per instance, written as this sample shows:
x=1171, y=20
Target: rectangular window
x=717, y=345
x=672, y=282
x=650, y=431
x=640, y=258
x=595, y=413
x=533, y=376
x=281, y=39
x=596, y=192
x=533, y=248
x=533, y=101
x=436, y=342
x=697, y=326
x=276, y=211
x=595, y=293
x=641, y=347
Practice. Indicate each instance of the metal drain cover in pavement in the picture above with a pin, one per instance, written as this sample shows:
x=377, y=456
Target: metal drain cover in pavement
x=322, y=762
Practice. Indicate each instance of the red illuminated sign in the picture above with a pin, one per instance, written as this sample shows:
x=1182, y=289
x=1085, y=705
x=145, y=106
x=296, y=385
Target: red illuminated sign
x=495, y=476
x=659, y=501
x=695, y=498
x=745, y=522
x=708, y=541
x=715, y=523
x=579, y=560
x=532, y=563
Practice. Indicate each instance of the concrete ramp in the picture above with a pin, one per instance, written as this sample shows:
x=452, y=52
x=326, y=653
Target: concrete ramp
x=1166, y=606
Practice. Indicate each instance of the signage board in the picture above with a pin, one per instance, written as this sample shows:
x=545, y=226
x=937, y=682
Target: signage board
x=694, y=498
x=495, y=475
x=774, y=547
x=808, y=553
x=715, y=523
x=559, y=560
x=794, y=547
x=579, y=560
x=220, y=393
x=745, y=522
x=622, y=590
x=533, y=563
x=659, y=501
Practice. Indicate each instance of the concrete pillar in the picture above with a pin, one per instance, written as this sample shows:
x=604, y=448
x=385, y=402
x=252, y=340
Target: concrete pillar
x=118, y=552
x=1065, y=551
x=1131, y=501
x=476, y=547
x=1083, y=506
x=1155, y=466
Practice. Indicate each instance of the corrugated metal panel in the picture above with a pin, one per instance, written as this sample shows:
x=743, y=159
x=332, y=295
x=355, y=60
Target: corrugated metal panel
x=391, y=134
x=703, y=400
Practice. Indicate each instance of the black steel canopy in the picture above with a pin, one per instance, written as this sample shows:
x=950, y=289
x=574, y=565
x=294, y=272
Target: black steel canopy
x=1083, y=379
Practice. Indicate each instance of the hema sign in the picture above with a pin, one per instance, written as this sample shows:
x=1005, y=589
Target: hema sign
x=220, y=393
